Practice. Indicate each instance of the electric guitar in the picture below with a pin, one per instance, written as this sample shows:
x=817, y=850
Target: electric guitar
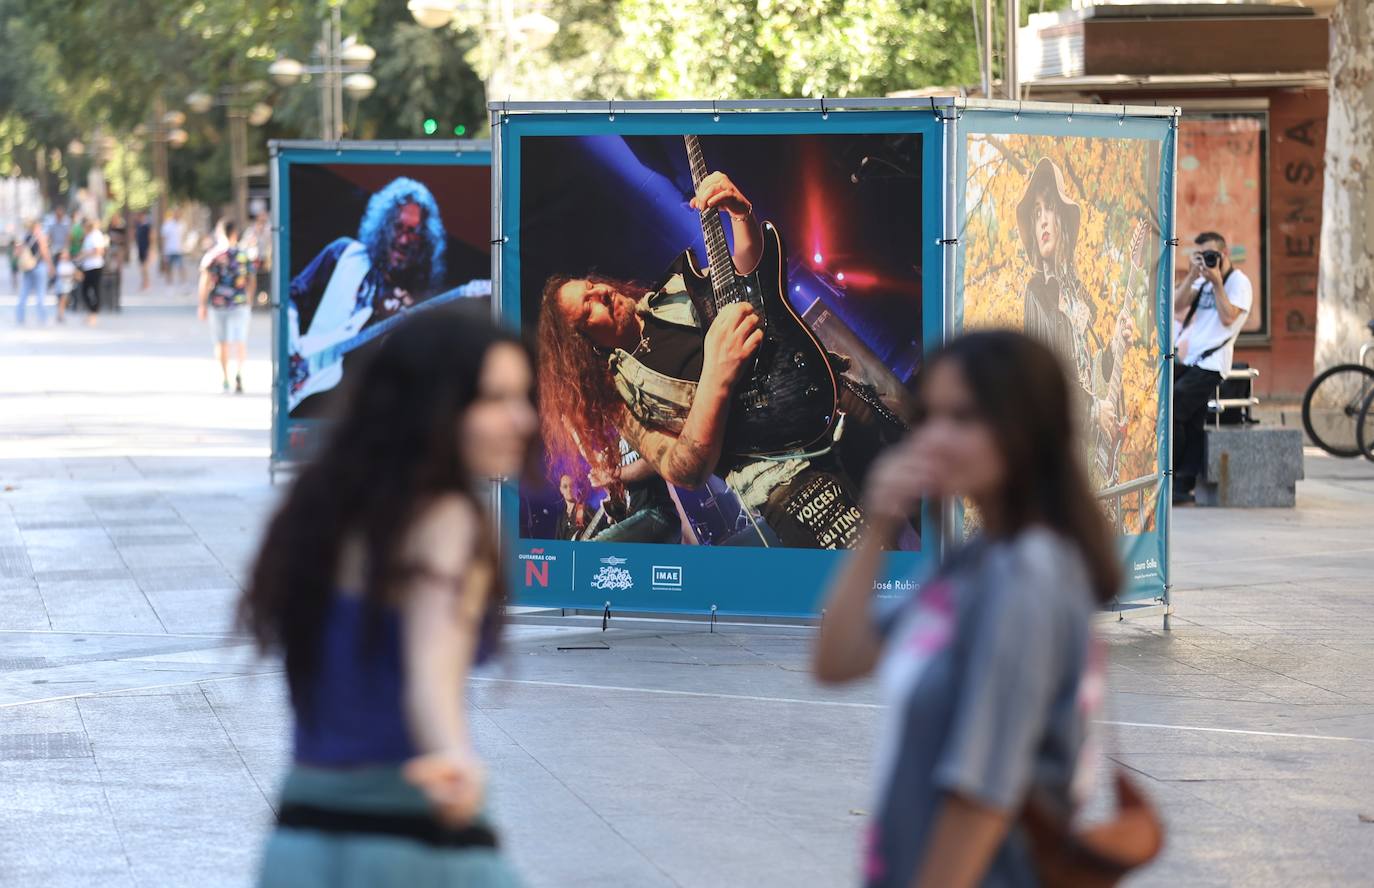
x=315, y=361
x=786, y=399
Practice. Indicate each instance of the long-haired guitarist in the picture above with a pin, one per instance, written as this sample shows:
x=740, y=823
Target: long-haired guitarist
x=396, y=260
x=623, y=360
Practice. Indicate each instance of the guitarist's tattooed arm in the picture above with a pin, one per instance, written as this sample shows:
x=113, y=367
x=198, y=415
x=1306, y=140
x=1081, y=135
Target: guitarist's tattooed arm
x=689, y=458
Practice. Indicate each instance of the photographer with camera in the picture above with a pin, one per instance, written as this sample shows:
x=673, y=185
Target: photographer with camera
x=1210, y=306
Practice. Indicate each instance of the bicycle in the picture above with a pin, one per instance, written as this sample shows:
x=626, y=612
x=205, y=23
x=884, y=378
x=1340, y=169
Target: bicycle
x=1336, y=406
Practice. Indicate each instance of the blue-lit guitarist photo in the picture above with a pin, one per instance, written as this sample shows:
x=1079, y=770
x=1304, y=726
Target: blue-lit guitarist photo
x=727, y=401
x=356, y=288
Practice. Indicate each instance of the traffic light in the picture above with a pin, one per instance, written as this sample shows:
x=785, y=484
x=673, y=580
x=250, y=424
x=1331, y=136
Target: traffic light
x=431, y=126
x=460, y=130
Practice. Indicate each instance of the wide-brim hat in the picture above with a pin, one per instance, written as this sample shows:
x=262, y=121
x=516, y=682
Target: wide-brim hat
x=1047, y=177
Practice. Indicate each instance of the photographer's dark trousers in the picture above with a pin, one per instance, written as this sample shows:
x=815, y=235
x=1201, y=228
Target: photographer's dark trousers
x=1193, y=388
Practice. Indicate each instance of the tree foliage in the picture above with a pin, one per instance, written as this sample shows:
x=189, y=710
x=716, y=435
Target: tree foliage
x=73, y=69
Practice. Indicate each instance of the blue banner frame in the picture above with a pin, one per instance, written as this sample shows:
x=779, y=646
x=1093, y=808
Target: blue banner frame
x=291, y=437
x=678, y=578
x=1145, y=556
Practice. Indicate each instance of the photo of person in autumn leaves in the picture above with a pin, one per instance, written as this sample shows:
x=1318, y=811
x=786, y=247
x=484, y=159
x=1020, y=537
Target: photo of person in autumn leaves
x=1059, y=312
x=1059, y=231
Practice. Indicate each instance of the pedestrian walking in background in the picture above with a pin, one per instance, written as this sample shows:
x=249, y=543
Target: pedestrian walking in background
x=91, y=260
x=225, y=297
x=172, y=234
x=258, y=241
x=59, y=229
x=34, y=261
x=76, y=233
x=143, y=232
x=989, y=669
x=66, y=283
x=116, y=254
x=380, y=582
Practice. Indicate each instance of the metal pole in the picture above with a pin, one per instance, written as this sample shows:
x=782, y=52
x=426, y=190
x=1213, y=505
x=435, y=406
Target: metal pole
x=160, y=172
x=1167, y=164
x=238, y=160
x=336, y=73
x=949, y=513
x=988, y=32
x=326, y=103
x=1010, y=80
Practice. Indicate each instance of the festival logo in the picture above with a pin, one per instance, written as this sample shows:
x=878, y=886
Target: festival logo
x=612, y=576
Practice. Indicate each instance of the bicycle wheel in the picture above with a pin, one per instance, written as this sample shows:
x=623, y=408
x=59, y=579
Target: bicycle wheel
x=1331, y=407
x=1364, y=427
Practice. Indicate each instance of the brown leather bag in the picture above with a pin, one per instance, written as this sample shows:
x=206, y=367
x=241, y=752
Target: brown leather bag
x=1101, y=855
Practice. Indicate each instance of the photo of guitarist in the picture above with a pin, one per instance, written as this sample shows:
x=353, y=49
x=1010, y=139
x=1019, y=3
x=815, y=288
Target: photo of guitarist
x=623, y=360
x=395, y=262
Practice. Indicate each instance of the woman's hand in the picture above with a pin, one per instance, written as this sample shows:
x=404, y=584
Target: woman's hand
x=453, y=780
x=901, y=478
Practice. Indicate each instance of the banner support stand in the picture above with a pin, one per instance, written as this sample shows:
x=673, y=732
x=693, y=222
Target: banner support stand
x=949, y=241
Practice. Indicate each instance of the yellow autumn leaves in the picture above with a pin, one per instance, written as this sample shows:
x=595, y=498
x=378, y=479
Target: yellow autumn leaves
x=1115, y=183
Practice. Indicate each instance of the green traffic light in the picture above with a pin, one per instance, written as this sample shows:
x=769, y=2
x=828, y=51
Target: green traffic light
x=431, y=126
x=459, y=130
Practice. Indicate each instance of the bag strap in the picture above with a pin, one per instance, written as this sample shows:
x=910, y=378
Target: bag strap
x=1197, y=297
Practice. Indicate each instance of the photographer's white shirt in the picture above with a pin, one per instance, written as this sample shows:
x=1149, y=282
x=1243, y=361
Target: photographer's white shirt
x=1206, y=330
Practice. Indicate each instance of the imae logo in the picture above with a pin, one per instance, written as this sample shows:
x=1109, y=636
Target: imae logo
x=667, y=576
x=537, y=567
x=612, y=575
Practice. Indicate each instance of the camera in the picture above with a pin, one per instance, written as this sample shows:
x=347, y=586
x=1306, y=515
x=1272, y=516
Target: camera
x=1211, y=258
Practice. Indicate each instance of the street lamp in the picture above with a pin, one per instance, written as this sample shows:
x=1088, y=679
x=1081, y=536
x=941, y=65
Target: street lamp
x=529, y=30
x=432, y=14
x=242, y=112
x=343, y=68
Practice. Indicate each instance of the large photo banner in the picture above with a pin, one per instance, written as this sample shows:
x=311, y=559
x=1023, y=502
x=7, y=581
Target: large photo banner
x=1065, y=236
x=728, y=312
x=366, y=236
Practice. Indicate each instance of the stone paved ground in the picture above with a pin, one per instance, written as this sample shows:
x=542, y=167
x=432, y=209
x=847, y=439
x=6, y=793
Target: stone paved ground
x=141, y=740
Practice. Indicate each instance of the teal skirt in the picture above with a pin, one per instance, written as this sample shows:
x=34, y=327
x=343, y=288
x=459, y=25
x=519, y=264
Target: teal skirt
x=305, y=858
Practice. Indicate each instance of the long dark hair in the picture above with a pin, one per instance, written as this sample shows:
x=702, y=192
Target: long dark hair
x=576, y=392
x=394, y=451
x=1021, y=392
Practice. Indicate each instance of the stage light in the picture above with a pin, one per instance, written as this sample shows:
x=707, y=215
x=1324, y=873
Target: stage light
x=817, y=258
x=797, y=288
x=839, y=276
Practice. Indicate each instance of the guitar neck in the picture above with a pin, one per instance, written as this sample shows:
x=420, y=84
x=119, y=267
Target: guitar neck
x=713, y=233
x=381, y=328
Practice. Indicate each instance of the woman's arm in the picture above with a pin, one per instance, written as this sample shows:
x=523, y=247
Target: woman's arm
x=962, y=843
x=441, y=614
x=848, y=645
x=441, y=609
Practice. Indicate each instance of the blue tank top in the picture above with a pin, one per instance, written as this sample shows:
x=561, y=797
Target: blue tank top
x=357, y=714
